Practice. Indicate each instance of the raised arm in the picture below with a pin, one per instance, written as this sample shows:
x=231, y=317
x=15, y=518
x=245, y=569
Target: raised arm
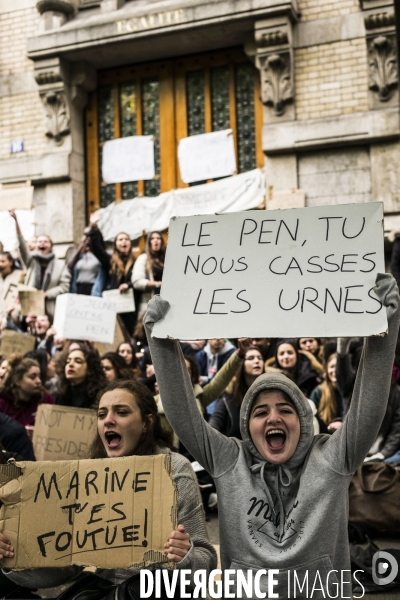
x=218, y=384
x=347, y=447
x=98, y=248
x=23, y=248
x=212, y=450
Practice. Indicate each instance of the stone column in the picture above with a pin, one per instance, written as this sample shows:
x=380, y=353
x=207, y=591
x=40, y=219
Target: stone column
x=272, y=52
x=63, y=89
x=54, y=13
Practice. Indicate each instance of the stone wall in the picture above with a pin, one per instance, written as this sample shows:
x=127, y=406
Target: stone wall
x=331, y=79
x=20, y=105
x=312, y=10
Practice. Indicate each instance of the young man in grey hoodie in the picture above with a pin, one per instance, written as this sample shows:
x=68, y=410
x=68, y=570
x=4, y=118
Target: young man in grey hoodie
x=283, y=492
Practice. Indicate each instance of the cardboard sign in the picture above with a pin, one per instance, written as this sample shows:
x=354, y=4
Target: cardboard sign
x=77, y=512
x=207, y=156
x=16, y=343
x=63, y=432
x=10, y=300
x=286, y=273
x=79, y=317
x=32, y=301
x=128, y=159
x=124, y=302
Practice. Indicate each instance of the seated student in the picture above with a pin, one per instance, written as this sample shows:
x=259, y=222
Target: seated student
x=279, y=487
x=128, y=425
x=115, y=367
x=213, y=356
x=296, y=365
x=326, y=396
x=22, y=391
x=80, y=377
x=226, y=417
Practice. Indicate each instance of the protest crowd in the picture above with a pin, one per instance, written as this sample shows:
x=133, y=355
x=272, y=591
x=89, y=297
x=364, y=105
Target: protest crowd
x=204, y=402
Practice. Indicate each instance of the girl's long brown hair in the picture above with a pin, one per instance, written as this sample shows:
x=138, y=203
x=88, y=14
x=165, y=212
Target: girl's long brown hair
x=18, y=367
x=327, y=408
x=154, y=435
x=238, y=386
x=154, y=258
x=119, y=264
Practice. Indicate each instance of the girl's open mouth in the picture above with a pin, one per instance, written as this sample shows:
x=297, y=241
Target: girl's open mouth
x=113, y=439
x=276, y=439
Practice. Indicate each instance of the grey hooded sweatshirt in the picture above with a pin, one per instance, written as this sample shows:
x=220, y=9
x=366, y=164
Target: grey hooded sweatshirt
x=293, y=516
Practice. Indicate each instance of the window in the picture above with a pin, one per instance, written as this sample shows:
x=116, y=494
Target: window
x=172, y=100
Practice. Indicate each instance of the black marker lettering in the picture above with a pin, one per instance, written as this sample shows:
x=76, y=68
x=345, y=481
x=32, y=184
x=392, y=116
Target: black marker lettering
x=376, y=300
x=59, y=546
x=351, y=237
x=47, y=491
x=347, y=299
x=74, y=485
x=332, y=264
x=230, y=268
x=314, y=265
x=115, y=478
x=201, y=234
x=369, y=260
x=195, y=306
x=308, y=299
x=109, y=542
x=243, y=232
x=42, y=544
x=119, y=512
x=128, y=535
x=140, y=481
x=195, y=267
x=213, y=302
x=327, y=225
x=183, y=239
x=294, y=237
x=348, y=262
x=262, y=231
x=90, y=480
x=292, y=307
x=337, y=306
x=94, y=510
x=242, y=263
x=295, y=266
x=271, y=263
x=242, y=300
x=213, y=269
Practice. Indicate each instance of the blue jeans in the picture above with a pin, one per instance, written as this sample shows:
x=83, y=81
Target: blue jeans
x=394, y=458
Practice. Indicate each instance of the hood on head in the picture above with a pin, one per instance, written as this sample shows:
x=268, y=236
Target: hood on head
x=278, y=381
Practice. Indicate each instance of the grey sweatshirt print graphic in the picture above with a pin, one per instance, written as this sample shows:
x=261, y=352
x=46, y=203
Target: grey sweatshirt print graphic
x=293, y=516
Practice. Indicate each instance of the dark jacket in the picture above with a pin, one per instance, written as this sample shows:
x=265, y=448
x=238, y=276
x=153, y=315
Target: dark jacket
x=77, y=396
x=226, y=417
x=14, y=438
x=98, y=248
x=395, y=262
x=202, y=360
x=390, y=428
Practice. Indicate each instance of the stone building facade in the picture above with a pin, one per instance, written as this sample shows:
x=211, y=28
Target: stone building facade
x=328, y=82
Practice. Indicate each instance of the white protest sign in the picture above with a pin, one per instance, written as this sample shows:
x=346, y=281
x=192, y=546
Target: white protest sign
x=16, y=197
x=284, y=273
x=124, y=302
x=128, y=159
x=207, y=156
x=79, y=317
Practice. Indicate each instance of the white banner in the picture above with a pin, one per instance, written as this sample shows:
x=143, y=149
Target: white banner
x=284, y=273
x=232, y=194
x=128, y=159
x=207, y=156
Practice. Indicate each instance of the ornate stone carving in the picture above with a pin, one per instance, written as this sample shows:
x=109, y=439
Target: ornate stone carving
x=67, y=7
x=57, y=117
x=273, y=55
x=379, y=20
x=383, y=76
x=276, y=82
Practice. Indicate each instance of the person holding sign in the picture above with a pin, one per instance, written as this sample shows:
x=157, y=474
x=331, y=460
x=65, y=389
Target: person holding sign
x=129, y=425
x=10, y=277
x=279, y=489
x=118, y=265
x=148, y=270
x=43, y=270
